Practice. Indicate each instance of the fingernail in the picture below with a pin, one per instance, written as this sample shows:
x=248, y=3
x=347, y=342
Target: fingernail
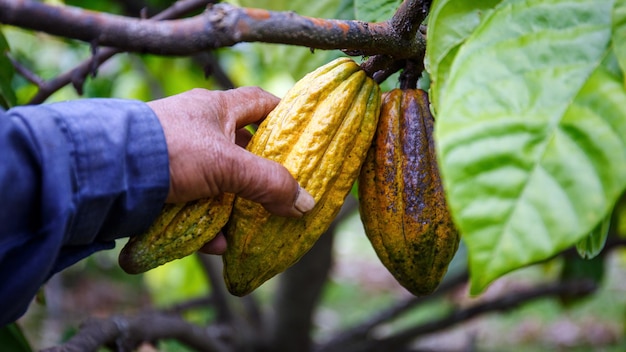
x=304, y=201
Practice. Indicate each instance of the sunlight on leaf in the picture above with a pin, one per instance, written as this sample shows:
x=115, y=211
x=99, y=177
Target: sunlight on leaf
x=531, y=132
x=450, y=22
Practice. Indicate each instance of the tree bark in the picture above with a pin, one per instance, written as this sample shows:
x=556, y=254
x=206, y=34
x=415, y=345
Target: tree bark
x=220, y=25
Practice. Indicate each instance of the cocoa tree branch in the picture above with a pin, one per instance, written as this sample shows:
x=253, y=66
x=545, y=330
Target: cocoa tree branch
x=447, y=286
x=409, y=16
x=126, y=333
x=77, y=75
x=219, y=26
x=504, y=303
x=24, y=71
x=212, y=67
x=405, y=23
x=360, y=332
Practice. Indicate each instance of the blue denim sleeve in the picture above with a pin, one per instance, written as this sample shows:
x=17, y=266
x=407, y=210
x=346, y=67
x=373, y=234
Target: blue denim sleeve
x=74, y=177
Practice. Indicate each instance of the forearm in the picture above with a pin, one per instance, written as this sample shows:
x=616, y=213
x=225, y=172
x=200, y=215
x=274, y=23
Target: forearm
x=74, y=176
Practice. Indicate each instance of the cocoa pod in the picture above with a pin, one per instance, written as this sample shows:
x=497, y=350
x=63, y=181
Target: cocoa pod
x=178, y=231
x=401, y=197
x=320, y=131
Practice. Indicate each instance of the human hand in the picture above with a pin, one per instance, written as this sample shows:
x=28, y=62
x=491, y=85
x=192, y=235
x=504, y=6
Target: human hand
x=205, y=139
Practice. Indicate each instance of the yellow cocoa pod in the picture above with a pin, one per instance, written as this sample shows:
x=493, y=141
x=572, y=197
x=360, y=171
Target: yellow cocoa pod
x=320, y=131
x=178, y=231
x=401, y=198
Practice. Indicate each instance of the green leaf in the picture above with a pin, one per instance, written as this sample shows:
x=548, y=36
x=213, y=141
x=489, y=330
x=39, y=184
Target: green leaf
x=592, y=244
x=450, y=22
x=619, y=32
x=375, y=10
x=531, y=132
x=12, y=339
x=7, y=95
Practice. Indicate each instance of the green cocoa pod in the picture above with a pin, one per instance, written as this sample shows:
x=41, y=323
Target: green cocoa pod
x=179, y=230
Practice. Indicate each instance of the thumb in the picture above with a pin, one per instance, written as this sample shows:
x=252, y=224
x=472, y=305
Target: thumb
x=267, y=182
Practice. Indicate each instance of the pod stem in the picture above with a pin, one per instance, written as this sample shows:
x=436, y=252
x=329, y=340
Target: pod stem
x=411, y=74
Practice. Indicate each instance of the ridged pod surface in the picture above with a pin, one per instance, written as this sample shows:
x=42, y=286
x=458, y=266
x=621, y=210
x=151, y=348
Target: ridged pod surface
x=401, y=197
x=320, y=131
x=179, y=230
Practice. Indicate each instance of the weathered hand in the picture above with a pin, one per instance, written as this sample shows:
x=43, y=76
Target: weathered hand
x=204, y=135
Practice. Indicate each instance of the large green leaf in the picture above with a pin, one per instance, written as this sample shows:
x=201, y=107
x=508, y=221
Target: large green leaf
x=531, y=132
x=450, y=22
x=375, y=10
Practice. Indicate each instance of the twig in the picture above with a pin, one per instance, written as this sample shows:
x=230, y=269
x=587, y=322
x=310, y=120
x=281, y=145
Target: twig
x=24, y=71
x=411, y=74
x=204, y=301
x=504, y=303
x=360, y=332
x=405, y=23
x=380, y=67
x=409, y=16
x=221, y=25
x=212, y=67
x=77, y=75
x=126, y=333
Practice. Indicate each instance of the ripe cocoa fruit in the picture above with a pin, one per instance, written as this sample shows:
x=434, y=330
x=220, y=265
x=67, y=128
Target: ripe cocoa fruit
x=320, y=131
x=401, y=198
x=178, y=231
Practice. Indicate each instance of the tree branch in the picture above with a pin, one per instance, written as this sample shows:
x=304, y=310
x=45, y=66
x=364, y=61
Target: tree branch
x=405, y=23
x=212, y=67
x=126, y=333
x=409, y=16
x=77, y=75
x=219, y=26
x=24, y=71
x=358, y=333
x=506, y=302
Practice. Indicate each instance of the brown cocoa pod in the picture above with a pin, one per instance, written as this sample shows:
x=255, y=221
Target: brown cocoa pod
x=401, y=197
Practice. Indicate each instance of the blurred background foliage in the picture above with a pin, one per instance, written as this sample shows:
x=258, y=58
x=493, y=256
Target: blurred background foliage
x=359, y=285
